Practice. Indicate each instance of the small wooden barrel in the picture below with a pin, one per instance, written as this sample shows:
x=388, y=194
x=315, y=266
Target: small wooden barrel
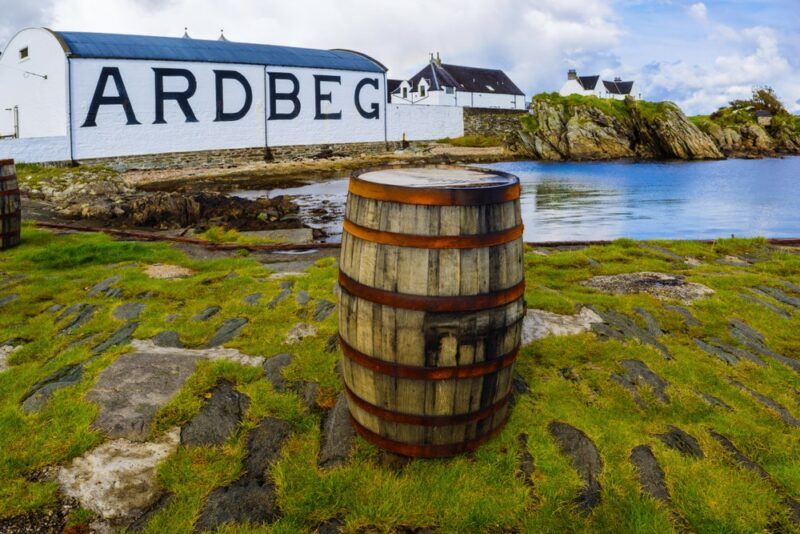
x=431, y=306
x=10, y=216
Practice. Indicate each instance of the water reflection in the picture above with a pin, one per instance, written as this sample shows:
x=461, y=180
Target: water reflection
x=586, y=201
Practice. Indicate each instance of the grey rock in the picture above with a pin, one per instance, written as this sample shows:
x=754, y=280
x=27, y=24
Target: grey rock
x=688, y=318
x=525, y=461
x=80, y=314
x=663, y=252
x=104, y=286
x=715, y=401
x=753, y=340
x=243, y=501
x=652, y=323
x=736, y=351
x=273, y=370
x=227, y=331
x=780, y=296
x=302, y=298
x=168, y=338
x=337, y=435
x=677, y=439
x=641, y=375
x=129, y=311
x=785, y=415
x=218, y=418
x=332, y=343
x=627, y=328
x=331, y=526
x=519, y=384
x=585, y=459
x=660, y=285
x=628, y=384
x=114, y=292
x=651, y=476
x=252, y=299
x=764, y=303
x=308, y=392
x=130, y=391
x=54, y=308
x=726, y=357
x=141, y=522
x=300, y=331
x=41, y=392
x=323, y=309
x=790, y=502
x=285, y=292
x=120, y=337
x=794, y=288
x=287, y=284
x=206, y=314
x=8, y=299
x=264, y=446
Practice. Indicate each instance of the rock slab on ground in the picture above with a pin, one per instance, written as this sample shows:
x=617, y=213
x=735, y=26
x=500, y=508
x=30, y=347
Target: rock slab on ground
x=585, y=458
x=651, y=476
x=681, y=441
x=41, y=392
x=273, y=370
x=300, y=331
x=129, y=311
x=118, y=479
x=538, y=324
x=218, y=418
x=338, y=435
x=660, y=285
x=226, y=332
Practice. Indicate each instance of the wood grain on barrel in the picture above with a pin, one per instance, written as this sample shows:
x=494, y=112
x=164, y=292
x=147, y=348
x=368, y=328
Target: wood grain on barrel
x=10, y=217
x=424, y=339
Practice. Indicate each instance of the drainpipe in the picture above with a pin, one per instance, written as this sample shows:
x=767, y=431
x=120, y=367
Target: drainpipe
x=385, y=112
x=266, y=117
x=69, y=111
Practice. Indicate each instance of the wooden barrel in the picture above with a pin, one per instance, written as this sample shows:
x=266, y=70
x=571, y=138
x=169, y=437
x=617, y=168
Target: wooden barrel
x=431, y=306
x=10, y=216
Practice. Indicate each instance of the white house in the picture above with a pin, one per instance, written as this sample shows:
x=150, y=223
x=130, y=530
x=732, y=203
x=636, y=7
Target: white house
x=439, y=84
x=589, y=86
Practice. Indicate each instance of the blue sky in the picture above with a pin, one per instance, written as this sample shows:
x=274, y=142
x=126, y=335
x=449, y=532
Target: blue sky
x=699, y=54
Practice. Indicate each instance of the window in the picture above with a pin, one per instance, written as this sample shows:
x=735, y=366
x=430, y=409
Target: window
x=405, y=92
x=449, y=90
x=421, y=90
x=23, y=53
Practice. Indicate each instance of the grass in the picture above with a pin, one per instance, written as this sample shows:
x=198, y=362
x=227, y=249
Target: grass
x=220, y=235
x=34, y=176
x=474, y=493
x=472, y=141
x=621, y=110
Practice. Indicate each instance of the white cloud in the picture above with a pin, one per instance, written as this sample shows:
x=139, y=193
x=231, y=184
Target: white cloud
x=698, y=12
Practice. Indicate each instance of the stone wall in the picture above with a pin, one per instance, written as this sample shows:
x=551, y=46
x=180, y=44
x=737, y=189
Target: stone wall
x=239, y=156
x=498, y=123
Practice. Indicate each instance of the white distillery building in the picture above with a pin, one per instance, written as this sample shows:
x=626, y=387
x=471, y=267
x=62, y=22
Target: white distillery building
x=71, y=96
x=591, y=86
x=440, y=84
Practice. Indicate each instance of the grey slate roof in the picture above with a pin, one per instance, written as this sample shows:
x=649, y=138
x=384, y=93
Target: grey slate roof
x=588, y=82
x=118, y=46
x=471, y=79
x=618, y=88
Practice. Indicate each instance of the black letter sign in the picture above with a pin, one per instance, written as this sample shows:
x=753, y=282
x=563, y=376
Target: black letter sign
x=99, y=100
x=326, y=97
x=291, y=96
x=221, y=76
x=376, y=109
x=181, y=97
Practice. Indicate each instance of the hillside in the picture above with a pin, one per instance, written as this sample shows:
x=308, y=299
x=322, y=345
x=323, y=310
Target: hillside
x=588, y=128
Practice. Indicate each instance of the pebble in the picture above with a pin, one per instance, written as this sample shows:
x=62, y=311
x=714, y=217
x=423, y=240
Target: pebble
x=227, y=331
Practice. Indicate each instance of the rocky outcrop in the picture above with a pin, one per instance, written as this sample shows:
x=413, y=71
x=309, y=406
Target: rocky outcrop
x=561, y=129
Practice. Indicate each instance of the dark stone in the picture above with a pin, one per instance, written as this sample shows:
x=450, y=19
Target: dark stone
x=393, y=461
x=652, y=323
x=626, y=382
x=323, y=309
x=104, y=286
x=218, y=418
x=726, y=357
x=243, y=501
x=54, y=308
x=331, y=526
x=753, y=340
x=794, y=288
x=8, y=299
x=37, y=522
x=651, y=477
x=592, y=262
x=677, y=439
x=141, y=522
x=519, y=386
x=272, y=370
x=663, y=252
x=337, y=435
x=640, y=375
x=715, y=401
x=740, y=458
x=114, y=292
x=525, y=457
x=308, y=392
x=252, y=299
x=226, y=332
x=568, y=373
x=585, y=459
x=332, y=343
x=736, y=351
x=302, y=298
x=780, y=296
x=285, y=292
x=129, y=311
x=764, y=303
x=206, y=314
x=626, y=328
x=778, y=408
x=81, y=314
x=688, y=318
x=264, y=445
x=168, y=338
x=39, y=394
x=120, y=337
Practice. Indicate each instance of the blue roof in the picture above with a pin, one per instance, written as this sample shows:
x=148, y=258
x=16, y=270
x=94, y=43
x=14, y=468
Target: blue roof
x=117, y=46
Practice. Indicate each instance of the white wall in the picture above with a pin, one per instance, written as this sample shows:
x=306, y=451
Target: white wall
x=466, y=99
x=424, y=123
x=35, y=149
x=42, y=103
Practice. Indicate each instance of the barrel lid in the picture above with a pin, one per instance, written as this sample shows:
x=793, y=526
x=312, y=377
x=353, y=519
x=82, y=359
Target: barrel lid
x=436, y=185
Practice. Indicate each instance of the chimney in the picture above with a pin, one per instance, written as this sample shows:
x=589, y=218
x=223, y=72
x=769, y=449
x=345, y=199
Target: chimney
x=438, y=60
x=186, y=33
x=222, y=36
x=617, y=79
x=572, y=75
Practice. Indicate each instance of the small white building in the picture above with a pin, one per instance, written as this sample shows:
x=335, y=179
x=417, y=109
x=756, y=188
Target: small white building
x=590, y=86
x=439, y=84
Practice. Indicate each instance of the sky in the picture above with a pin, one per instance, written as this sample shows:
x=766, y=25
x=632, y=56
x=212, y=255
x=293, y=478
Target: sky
x=698, y=54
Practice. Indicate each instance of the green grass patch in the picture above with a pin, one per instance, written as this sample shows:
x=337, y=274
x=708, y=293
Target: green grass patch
x=472, y=141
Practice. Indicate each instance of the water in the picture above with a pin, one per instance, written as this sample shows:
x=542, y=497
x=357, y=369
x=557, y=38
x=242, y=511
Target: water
x=591, y=201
